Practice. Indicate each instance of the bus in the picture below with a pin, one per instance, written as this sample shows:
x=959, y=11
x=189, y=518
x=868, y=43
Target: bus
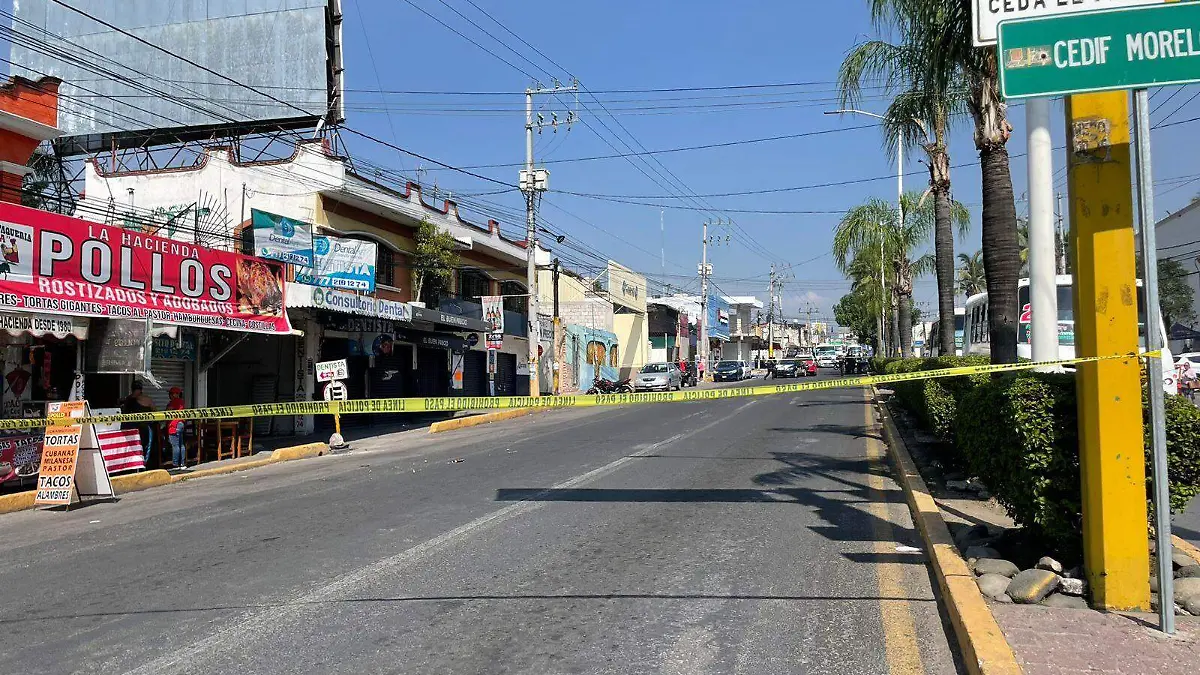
x=935, y=345
x=976, y=338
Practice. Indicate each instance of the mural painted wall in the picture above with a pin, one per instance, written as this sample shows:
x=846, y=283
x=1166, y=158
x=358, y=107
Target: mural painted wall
x=590, y=351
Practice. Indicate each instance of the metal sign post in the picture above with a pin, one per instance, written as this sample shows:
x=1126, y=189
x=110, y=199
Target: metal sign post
x=335, y=391
x=1155, y=365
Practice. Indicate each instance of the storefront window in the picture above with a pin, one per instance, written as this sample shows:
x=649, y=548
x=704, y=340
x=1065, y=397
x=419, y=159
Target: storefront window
x=473, y=285
x=385, y=266
x=515, y=299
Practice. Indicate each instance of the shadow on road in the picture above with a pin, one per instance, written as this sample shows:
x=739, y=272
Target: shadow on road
x=836, y=489
x=853, y=431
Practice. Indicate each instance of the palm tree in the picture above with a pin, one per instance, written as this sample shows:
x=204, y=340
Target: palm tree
x=1023, y=244
x=918, y=116
x=869, y=233
x=940, y=33
x=971, y=276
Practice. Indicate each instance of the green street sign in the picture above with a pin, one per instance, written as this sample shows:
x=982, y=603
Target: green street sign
x=1098, y=51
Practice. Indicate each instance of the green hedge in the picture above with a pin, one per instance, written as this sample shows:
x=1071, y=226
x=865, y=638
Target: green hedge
x=1019, y=434
x=1015, y=435
x=935, y=401
x=1183, y=450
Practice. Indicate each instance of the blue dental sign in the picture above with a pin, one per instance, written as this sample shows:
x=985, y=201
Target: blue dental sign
x=279, y=238
x=341, y=263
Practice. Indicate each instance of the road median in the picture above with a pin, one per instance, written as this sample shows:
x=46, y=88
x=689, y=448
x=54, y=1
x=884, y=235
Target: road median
x=985, y=650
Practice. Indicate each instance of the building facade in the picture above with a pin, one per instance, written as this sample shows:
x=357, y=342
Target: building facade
x=396, y=344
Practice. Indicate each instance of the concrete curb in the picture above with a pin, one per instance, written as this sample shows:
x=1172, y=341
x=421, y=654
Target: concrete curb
x=1186, y=547
x=17, y=501
x=476, y=420
x=221, y=470
x=985, y=651
x=134, y=482
x=299, y=452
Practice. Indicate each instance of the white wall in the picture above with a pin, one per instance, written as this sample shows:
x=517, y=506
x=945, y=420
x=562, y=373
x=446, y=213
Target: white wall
x=286, y=189
x=1178, y=238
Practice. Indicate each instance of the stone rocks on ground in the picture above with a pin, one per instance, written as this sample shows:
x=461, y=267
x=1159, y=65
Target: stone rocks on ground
x=1049, y=564
x=1188, y=571
x=977, y=552
x=995, y=566
x=1073, y=587
x=1031, y=586
x=1065, y=601
x=1187, y=593
x=1179, y=559
x=993, y=586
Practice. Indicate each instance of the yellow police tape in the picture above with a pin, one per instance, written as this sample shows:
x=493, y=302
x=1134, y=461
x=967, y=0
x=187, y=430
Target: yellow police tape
x=452, y=403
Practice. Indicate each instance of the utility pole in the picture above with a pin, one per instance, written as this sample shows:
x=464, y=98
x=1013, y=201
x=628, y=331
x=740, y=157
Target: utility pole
x=1060, y=241
x=557, y=328
x=1043, y=291
x=771, y=317
x=704, y=272
x=534, y=181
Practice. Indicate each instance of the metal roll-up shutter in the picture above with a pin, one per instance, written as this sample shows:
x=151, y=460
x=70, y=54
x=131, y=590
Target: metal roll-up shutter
x=391, y=376
x=475, y=379
x=506, y=374
x=433, y=372
x=169, y=373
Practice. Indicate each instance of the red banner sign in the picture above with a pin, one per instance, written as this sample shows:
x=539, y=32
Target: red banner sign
x=60, y=265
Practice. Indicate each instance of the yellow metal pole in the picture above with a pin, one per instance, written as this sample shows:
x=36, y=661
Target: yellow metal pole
x=1109, y=392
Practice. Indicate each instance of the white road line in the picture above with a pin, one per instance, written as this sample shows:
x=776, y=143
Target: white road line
x=256, y=625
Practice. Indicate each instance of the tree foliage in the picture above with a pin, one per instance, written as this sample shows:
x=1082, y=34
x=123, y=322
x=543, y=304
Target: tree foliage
x=854, y=311
x=971, y=279
x=433, y=261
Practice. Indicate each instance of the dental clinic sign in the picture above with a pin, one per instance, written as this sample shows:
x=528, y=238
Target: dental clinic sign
x=988, y=14
x=1099, y=51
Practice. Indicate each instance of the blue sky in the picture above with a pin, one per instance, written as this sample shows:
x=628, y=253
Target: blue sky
x=397, y=47
x=636, y=45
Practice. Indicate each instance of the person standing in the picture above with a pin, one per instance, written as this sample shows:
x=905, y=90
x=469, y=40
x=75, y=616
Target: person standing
x=175, y=430
x=700, y=368
x=138, y=402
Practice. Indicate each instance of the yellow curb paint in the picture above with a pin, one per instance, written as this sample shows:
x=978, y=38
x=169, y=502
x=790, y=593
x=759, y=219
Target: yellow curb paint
x=901, y=647
x=984, y=649
x=476, y=420
x=221, y=470
x=18, y=501
x=132, y=482
x=300, y=452
x=1186, y=547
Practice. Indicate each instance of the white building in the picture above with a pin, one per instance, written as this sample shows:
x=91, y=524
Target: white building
x=1178, y=238
x=741, y=327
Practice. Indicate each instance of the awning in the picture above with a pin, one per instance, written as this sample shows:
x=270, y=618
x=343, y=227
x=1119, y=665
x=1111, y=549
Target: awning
x=41, y=325
x=303, y=295
x=453, y=321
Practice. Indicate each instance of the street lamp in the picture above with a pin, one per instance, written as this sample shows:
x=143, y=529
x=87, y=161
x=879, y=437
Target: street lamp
x=900, y=220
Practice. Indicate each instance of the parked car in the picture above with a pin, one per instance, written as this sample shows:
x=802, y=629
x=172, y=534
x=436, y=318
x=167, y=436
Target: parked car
x=808, y=367
x=731, y=371
x=658, y=377
x=785, y=368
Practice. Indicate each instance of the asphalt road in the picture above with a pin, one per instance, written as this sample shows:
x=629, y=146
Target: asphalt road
x=731, y=536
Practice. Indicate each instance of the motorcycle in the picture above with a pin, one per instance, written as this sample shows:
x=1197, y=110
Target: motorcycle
x=603, y=386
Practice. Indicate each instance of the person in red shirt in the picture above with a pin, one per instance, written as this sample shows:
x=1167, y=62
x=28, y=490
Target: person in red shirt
x=175, y=429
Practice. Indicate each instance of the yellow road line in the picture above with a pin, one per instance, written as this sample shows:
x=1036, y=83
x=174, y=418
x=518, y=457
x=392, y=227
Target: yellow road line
x=902, y=649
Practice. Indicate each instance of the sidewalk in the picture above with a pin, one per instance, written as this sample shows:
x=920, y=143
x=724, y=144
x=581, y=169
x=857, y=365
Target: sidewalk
x=1056, y=640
